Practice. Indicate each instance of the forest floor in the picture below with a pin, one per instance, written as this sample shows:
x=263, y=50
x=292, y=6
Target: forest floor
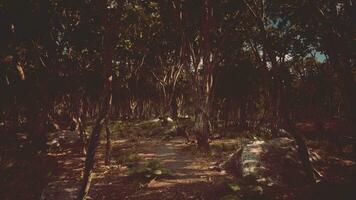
x=188, y=177
x=149, y=166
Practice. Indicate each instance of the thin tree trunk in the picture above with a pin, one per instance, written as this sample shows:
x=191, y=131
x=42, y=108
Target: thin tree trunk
x=108, y=144
x=82, y=126
x=108, y=50
x=174, y=107
x=243, y=105
x=38, y=131
x=82, y=134
x=79, y=108
x=94, y=141
x=348, y=89
x=203, y=113
x=202, y=131
x=89, y=161
x=39, y=116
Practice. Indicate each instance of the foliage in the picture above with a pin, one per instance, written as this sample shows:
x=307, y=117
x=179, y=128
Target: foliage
x=243, y=190
x=240, y=64
x=152, y=170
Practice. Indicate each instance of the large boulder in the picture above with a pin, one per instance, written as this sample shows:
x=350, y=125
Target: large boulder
x=268, y=162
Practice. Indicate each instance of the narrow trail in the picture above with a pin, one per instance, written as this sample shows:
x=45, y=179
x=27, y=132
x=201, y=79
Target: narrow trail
x=191, y=178
x=187, y=169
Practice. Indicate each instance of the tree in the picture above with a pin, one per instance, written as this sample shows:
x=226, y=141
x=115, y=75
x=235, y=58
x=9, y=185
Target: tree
x=107, y=54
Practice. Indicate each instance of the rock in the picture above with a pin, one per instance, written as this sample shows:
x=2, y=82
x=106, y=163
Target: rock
x=232, y=164
x=269, y=163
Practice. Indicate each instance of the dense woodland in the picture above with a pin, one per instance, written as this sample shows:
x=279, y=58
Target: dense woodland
x=246, y=65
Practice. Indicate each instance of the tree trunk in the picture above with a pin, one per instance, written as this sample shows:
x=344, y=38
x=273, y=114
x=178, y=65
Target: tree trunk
x=38, y=131
x=174, y=107
x=204, y=94
x=94, y=139
x=108, y=50
x=108, y=144
x=349, y=93
x=202, y=131
x=348, y=90
x=83, y=134
x=243, y=105
x=89, y=161
x=38, y=113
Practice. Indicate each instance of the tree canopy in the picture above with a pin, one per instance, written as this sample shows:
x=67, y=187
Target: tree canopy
x=243, y=63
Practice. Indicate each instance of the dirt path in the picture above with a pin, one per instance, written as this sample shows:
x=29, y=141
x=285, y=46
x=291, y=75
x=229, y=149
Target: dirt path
x=187, y=169
x=191, y=178
x=65, y=181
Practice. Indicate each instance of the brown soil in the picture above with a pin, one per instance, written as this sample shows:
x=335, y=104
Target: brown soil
x=191, y=179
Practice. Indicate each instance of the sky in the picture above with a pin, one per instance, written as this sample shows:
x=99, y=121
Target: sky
x=320, y=57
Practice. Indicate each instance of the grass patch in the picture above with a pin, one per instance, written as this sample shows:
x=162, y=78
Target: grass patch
x=244, y=190
x=147, y=172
